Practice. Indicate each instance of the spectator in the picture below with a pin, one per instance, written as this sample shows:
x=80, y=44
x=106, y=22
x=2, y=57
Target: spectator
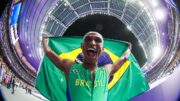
x=13, y=84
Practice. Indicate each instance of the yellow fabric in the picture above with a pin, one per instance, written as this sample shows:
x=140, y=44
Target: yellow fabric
x=71, y=55
x=118, y=74
x=113, y=57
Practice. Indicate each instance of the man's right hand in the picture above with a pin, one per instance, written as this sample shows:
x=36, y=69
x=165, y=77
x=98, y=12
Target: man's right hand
x=45, y=36
x=63, y=64
x=129, y=45
x=128, y=51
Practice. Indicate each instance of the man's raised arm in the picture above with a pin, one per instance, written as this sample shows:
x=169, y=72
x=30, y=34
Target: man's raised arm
x=112, y=68
x=62, y=64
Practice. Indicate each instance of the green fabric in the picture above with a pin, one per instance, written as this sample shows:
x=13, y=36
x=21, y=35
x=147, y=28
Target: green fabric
x=51, y=81
x=80, y=84
x=131, y=84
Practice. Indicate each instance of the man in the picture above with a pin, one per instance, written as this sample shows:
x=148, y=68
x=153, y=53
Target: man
x=87, y=82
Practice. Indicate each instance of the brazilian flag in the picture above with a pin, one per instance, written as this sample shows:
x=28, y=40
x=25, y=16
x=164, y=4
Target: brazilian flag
x=126, y=83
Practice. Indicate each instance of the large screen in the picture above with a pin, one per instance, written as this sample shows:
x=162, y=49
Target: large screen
x=15, y=13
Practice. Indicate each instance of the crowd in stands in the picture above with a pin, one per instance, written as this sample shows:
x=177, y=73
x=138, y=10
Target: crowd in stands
x=9, y=80
x=10, y=57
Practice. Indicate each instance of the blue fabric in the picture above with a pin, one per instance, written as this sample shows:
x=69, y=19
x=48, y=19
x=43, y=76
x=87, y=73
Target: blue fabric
x=68, y=95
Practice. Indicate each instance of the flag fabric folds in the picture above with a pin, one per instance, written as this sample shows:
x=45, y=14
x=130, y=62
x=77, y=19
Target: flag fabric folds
x=126, y=83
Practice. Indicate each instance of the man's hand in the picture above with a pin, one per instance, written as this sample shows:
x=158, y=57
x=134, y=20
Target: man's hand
x=129, y=45
x=45, y=36
x=112, y=68
x=128, y=51
x=62, y=64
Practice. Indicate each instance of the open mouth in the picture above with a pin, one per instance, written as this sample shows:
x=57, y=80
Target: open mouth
x=91, y=52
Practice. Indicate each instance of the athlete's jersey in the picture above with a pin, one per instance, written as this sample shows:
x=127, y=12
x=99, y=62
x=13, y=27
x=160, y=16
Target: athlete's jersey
x=81, y=87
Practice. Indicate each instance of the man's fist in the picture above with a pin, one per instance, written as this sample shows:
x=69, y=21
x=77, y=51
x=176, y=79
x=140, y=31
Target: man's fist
x=45, y=36
x=129, y=45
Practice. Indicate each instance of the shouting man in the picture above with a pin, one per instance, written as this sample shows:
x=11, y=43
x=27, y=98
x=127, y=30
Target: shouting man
x=86, y=79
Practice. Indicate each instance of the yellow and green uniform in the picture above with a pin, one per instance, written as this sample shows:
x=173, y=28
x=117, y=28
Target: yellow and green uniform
x=81, y=86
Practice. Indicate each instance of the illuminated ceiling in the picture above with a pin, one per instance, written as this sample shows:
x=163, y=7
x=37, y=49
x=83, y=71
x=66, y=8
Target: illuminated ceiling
x=56, y=16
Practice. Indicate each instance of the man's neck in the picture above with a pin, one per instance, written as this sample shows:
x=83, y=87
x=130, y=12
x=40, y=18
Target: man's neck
x=90, y=66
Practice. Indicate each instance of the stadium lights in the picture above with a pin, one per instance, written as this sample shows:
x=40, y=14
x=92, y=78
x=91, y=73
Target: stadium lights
x=43, y=26
x=140, y=43
x=30, y=55
x=154, y=3
x=141, y=4
x=160, y=14
x=163, y=33
x=152, y=21
x=129, y=28
x=148, y=13
x=27, y=20
x=156, y=52
x=65, y=4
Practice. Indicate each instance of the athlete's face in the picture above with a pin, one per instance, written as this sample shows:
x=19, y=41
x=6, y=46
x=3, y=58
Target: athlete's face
x=92, y=47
